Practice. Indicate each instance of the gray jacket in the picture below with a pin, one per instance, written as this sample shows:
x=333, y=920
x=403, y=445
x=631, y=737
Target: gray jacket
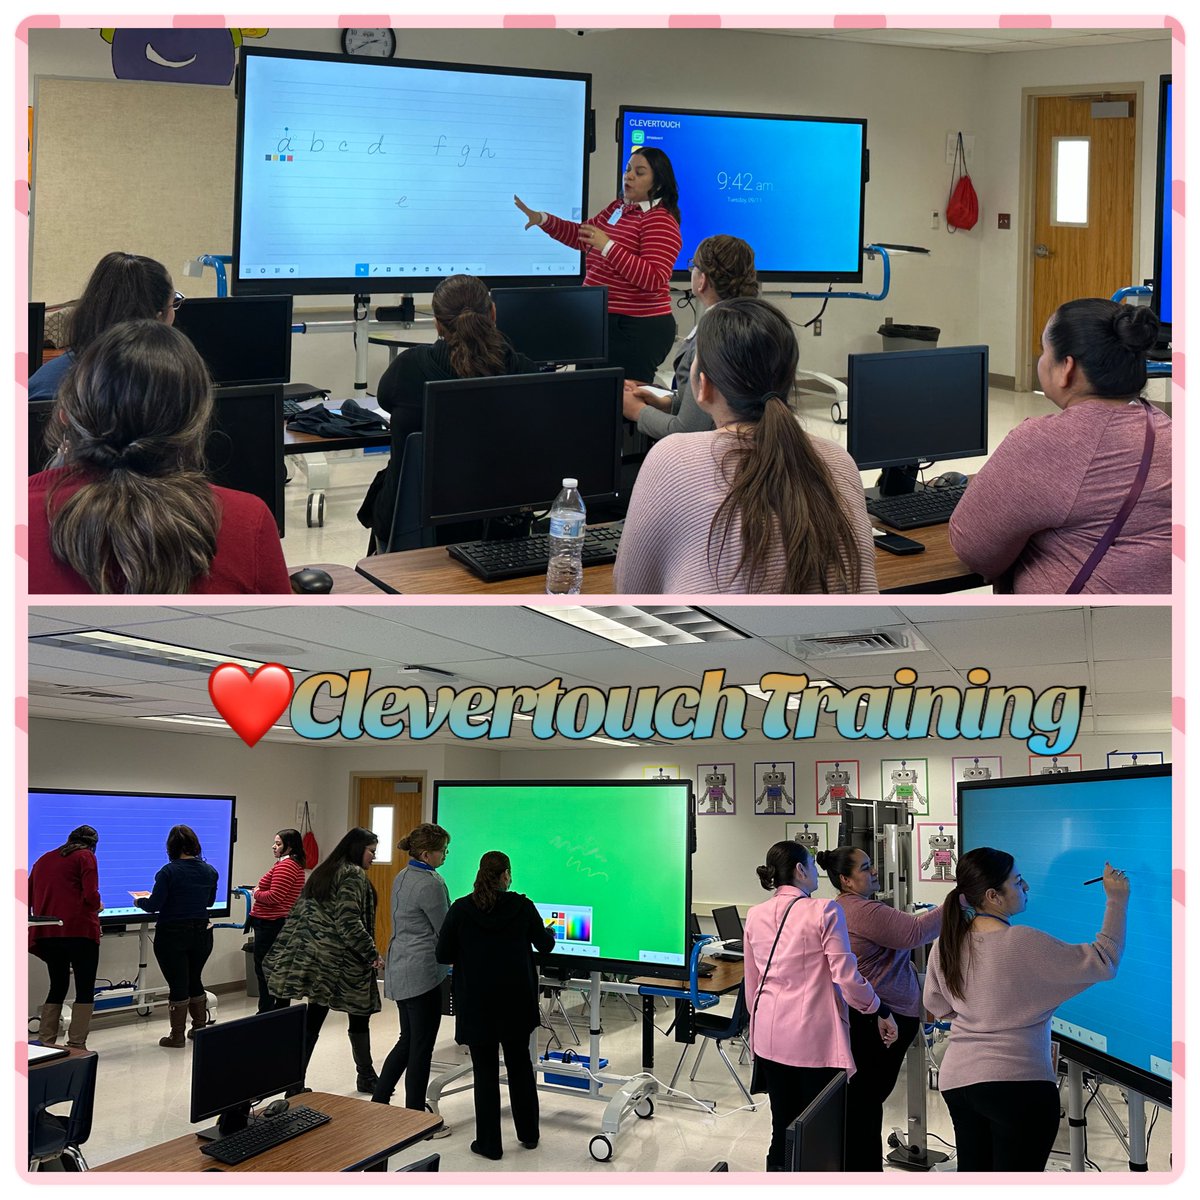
x=420, y=901
x=686, y=416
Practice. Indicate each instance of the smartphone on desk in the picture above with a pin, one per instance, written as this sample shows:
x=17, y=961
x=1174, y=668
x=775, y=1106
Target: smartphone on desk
x=894, y=543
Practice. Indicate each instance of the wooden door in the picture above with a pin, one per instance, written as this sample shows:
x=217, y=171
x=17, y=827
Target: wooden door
x=391, y=807
x=1094, y=258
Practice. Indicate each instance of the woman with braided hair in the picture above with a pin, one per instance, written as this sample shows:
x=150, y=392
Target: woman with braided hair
x=755, y=505
x=125, y=506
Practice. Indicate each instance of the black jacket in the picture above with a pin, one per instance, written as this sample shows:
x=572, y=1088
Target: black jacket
x=494, y=980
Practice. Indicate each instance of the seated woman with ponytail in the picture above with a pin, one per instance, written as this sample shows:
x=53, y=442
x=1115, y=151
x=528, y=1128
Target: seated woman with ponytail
x=469, y=346
x=126, y=507
x=756, y=505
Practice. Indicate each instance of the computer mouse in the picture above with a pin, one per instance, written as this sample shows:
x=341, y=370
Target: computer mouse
x=949, y=479
x=312, y=580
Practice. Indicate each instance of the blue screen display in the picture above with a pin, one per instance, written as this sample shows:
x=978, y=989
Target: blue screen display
x=133, y=839
x=1162, y=266
x=1061, y=833
x=792, y=187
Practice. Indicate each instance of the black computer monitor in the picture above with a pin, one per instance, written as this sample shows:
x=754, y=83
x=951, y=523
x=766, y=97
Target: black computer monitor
x=504, y=444
x=816, y=1139
x=237, y=1063
x=907, y=407
x=244, y=340
x=37, y=333
x=694, y=927
x=245, y=444
x=555, y=324
x=728, y=922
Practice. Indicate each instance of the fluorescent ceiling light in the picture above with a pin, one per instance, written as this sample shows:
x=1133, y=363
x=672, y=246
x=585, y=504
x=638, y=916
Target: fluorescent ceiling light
x=207, y=722
x=143, y=650
x=652, y=625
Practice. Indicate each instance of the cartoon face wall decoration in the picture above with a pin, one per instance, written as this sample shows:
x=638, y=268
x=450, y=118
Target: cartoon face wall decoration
x=774, y=779
x=837, y=778
x=904, y=777
x=205, y=56
x=714, y=779
x=976, y=772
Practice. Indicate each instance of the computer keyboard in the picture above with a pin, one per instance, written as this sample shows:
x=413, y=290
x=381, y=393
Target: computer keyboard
x=291, y=408
x=926, y=506
x=263, y=1135
x=734, y=947
x=491, y=561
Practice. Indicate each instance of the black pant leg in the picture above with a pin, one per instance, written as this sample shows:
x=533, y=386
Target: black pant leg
x=396, y=1063
x=312, y=1029
x=1022, y=1118
x=639, y=344
x=485, y=1065
x=265, y=933
x=200, y=946
x=791, y=1090
x=171, y=954
x=57, y=957
x=972, y=1131
x=522, y=1087
x=877, y=1068
x=424, y=1018
x=85, y=960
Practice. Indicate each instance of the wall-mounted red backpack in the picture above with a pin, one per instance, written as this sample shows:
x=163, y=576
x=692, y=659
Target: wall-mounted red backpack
x=962, y=209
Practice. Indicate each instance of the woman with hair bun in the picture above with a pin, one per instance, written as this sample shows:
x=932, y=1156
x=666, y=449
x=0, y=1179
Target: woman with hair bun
x=1079, y=501
x=126, y=506
x=489, y=938
x=999, y=984
x=755, y=505
x=412, y=976
x=882, y=939
x=722, y=268
x=800, y=975
x=469, y=346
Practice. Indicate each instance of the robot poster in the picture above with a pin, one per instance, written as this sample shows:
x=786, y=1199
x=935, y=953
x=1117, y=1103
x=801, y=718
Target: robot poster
x=906, y=780
x=1059, y=764
x=1133, y=758
x=937, y=851
x=812, y=835
x=715, y=795
x=975, y=767
x=836, y=781
x=774, y=789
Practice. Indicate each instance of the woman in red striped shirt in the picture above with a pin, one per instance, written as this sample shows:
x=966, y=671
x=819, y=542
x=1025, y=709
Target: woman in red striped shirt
x=277, y=891
x=630, y=247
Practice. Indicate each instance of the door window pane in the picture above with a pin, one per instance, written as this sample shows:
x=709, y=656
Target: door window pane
x=1069, y=199
x=381, y=824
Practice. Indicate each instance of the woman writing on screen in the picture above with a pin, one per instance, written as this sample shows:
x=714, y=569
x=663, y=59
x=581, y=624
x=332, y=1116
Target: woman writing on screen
x=630, y=247
x=326, y=950
x=489, y=938
x=122, y=287
x=882, y=939
x=756, y=505
x=277, y=891
x=412, y=975
x=722, y=267
x=469, y=346
x=64, y=883
x=998, y=984
x=184, y=890
x=800, y=975
x=1044, y=513
x=126, y=506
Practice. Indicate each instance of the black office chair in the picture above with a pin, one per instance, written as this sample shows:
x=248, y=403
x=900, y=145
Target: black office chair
x=407, y=532
x=718, y=1029
x=432, y=1163
x=51, y=1135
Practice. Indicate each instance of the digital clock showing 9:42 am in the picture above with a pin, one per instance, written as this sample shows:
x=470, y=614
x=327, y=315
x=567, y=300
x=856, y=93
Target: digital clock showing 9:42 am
x=742, y=181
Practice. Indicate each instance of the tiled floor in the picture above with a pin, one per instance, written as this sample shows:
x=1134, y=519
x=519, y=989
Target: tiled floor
x=143, y=1094
x=343, y=540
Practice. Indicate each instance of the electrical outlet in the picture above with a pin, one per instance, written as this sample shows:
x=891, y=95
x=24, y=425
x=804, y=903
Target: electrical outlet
x=934, y=220
x=1003, y=220
x=817, y=328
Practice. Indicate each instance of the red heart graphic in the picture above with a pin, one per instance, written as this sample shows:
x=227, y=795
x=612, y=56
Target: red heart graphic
x=250, y=704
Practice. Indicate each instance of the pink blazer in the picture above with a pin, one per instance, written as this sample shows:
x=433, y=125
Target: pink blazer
x=801, y=1018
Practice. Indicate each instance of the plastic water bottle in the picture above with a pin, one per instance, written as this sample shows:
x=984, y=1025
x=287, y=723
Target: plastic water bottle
x=564, y=571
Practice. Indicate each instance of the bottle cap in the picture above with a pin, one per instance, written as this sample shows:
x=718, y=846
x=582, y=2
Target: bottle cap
x=570, y=483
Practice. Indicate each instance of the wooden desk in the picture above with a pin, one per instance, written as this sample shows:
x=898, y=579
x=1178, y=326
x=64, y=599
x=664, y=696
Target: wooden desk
x=434, y=572
x=346, y=581
x=295, y=442
x=727, y=977
x=359, y=1136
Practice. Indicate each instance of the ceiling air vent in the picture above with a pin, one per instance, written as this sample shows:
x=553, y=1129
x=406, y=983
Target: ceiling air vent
x=892, y=640
x=63, y=692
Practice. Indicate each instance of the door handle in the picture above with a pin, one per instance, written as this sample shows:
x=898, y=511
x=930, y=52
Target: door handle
x=1041, y=250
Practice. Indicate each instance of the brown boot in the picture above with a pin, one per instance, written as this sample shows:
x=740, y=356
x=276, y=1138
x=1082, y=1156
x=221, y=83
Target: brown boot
x=49, y=1023
x=177, y=1010
x=81, y=1022
x=198, y=1008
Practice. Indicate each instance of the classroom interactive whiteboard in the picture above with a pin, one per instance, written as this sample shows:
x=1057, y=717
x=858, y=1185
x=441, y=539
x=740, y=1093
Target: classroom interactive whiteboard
x=356, y=175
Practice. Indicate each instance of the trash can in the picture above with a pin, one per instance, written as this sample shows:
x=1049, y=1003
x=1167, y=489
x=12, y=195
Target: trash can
x=251, y=977
x=909, y=337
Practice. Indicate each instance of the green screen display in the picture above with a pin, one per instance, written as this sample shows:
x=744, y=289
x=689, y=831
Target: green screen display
x=607, y=864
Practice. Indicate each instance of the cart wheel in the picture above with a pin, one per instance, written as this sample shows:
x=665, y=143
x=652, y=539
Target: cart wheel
x=644, y=1108
x=835, y=413
x=144, y=1011
x=316, y=510
x=600, y=1148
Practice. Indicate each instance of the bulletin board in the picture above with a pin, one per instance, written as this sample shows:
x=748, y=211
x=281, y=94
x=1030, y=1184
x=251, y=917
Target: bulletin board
x=120, y=165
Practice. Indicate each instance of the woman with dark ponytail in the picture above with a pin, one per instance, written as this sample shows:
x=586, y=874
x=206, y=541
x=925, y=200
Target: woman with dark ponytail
x=800, y=975
x=469, y=346
x=126, y=507
x=882, y=939
x=1079, y=501
x=756, y=505
x=998, y=984
x=489, y=938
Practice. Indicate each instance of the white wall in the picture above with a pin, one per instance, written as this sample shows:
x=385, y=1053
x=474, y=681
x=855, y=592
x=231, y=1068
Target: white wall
x=911, y=98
